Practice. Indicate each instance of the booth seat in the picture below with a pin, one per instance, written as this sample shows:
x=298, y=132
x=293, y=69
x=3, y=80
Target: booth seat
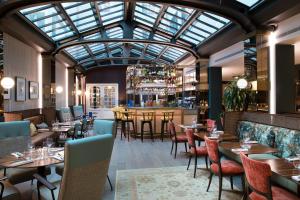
x=102, y=127
x=64, y=114
x=40, y=136
x=14, y=137
x=287, y=141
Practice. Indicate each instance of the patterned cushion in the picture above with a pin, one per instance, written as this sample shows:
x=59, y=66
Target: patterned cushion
x=228, y=167
x=287, y=142
x=278, y=194
x=246, y=127
x=264, y=134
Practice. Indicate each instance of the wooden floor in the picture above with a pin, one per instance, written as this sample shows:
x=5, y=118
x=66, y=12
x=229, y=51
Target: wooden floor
x=132, y=155
x=135, y=155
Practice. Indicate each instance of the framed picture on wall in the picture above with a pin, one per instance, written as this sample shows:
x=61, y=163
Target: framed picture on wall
x=33, y=90
x=20, y=89
x=6, y=94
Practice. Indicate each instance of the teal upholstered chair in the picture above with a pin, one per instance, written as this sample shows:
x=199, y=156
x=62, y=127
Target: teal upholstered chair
x=65, y=114
x=78, y=111
x=104, y=127
x=15, y=136
x=86, y=166
x=8, y=191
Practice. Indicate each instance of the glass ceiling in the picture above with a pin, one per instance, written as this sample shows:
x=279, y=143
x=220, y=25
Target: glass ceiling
x=75, y=21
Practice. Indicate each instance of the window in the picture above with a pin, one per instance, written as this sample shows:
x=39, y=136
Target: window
x=116, y=32
x=203, y=27
x=248, y=3
x=173, y=53
x=81, y=15
x=111, y=12
x=49, y=21
x=93, y=36
x=77, y=52
x=155, y=48
x=146, y=13
x=174, y=18
x=97, y=47
x=139, y=33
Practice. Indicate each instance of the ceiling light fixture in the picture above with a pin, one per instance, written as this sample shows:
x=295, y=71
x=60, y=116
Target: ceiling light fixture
x=242, y=83
x=7, y=82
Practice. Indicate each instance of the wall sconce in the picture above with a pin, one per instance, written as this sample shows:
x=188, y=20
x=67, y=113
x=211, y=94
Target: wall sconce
x=7, y=82
x=242, y=83
x=59, y=89
x=78, y=92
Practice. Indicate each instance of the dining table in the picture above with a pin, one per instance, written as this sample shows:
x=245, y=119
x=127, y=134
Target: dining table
x=223, y=137
x=38, y=158
x=282, y=169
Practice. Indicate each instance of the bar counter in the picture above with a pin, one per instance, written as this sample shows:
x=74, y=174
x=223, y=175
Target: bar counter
x=181, y=116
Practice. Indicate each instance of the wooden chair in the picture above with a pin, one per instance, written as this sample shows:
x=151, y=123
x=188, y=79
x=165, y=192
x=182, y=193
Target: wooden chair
x=118, y=121
x=258, y=176
x=127, y=119
x=147, y=119
x=200, y=151
x=182, y=138
x=167, y=116
x=222, y=168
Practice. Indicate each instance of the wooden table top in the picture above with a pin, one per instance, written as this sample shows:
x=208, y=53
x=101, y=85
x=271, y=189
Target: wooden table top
x=10, y=159
x=222, y=138
x=184, y=126
x=283, y=167
x=255, y=148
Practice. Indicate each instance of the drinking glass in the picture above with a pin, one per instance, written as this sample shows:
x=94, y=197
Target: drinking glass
x=30, y=150
x=296, y=164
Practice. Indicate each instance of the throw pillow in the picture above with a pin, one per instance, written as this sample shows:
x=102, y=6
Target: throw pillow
x=33, y=130
x=42, y=125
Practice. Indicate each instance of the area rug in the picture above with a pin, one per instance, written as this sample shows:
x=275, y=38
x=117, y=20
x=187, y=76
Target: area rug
x=170, y=183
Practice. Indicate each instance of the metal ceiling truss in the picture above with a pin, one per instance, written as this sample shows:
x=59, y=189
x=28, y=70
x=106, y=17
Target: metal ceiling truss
x=231, y=10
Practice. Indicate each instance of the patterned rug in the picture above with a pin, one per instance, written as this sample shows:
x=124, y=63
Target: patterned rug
x=171, y=183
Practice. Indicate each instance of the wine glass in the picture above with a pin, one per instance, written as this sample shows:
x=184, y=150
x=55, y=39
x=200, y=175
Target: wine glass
x=30, y=150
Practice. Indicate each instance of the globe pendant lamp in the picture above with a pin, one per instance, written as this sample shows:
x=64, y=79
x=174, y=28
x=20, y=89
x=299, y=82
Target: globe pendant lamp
x=242, y=83
x=7, y=82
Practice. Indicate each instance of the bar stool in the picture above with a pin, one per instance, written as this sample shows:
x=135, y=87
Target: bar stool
x=127, y=118
x=167, y=116
x=118, y=121
x=147, y=119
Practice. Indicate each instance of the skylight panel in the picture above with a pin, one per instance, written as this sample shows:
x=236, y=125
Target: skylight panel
x=49, y=21
x=114, y=45
x=139, y=33
x=100, y=56
x=116, y=51
x=146, y=13
x=248, y=3
x=155, y=48
x=111, y=12
x=116, y=32
x=139, y=45
x=174, y=19
x=150, y=57
x=88, y=63
x=161, y=38
x=77, y=52
x=81, y=15
x=136, y=51
x=97, y=47
x=173, y=53
x=205, y=26
x=93, y=36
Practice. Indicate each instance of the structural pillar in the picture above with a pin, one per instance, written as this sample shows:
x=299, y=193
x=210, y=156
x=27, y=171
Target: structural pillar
x=215, y=94
x=285, y=78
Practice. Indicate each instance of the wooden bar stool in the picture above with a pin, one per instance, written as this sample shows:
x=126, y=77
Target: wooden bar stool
x=147, y=119
x=127, y=118
x=118, y=121
x=167, y=116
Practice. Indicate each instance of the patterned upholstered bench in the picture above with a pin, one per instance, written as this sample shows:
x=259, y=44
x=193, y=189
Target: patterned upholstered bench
x=287, y=141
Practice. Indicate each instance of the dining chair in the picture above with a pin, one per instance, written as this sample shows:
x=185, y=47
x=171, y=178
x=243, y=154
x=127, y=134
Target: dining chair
x=8, y=191
x=85, y=170
x=210, y=124
x=258, y=177
x=175, y=138
x=221, y=168
x=196, y=151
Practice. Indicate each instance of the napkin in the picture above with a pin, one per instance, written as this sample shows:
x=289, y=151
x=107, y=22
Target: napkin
x=296, y=178
x=239, y=149
x=213, y=137
x=251, y=142
x=17, y=154
x=58, y=158
x=293, y=159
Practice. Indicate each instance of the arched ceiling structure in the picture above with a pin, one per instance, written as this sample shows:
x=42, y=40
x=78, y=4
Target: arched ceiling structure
x=96, y=33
